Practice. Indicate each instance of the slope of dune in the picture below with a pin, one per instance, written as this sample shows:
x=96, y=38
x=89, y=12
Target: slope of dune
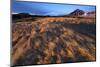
x=42, y=42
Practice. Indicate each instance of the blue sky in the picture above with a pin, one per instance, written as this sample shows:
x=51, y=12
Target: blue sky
x=47, y=8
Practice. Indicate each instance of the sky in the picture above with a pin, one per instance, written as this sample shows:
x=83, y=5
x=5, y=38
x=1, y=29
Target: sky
x=37, y=8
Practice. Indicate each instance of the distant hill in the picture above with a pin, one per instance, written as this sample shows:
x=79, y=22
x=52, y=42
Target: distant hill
x=92, y=14
x=20, y=16
x=27, y=15
x=77, y=12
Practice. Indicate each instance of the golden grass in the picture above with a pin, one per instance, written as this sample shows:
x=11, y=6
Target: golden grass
x=70, y=54
x=84, y=52
x=45, y=38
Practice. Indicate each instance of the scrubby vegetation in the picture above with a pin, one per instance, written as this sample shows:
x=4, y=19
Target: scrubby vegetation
x=53, y=40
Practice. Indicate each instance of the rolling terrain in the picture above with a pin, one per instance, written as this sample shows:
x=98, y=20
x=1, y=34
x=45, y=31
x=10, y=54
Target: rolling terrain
x=50, y=40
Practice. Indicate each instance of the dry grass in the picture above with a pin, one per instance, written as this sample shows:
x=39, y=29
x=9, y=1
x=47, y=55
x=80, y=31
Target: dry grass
x=45, y=42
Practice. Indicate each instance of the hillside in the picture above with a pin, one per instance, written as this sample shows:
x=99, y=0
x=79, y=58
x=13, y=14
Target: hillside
x=53, y=40
x=77, y=16
x=77, y=12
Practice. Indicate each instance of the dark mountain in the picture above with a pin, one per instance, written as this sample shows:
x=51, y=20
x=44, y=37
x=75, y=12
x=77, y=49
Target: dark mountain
x=77, y=12
x=26, y=15
x=20, y=16
x=92, y=12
